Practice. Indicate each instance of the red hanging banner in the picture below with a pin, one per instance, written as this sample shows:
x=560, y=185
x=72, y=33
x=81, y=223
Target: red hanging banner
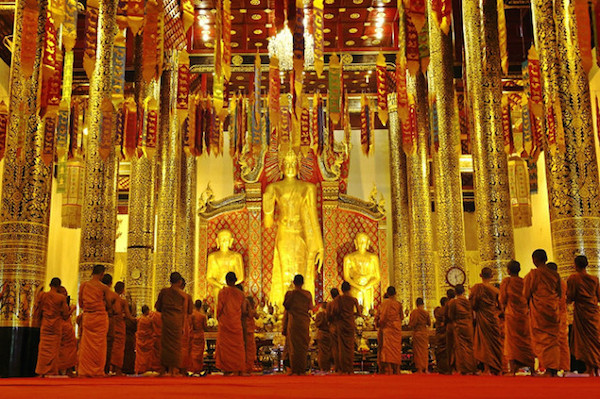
x=382, y=107
x=91, y=34
x=130, y=128
x=409, y=129
x=584, y=33
x=535, y=83
x=412, y=47
x=29, y=37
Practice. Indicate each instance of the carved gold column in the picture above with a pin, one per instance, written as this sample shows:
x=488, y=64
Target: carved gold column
x=169, y=175
x=572, y=174
x=400, y=216
x=421, y=237
x=331, y=275
x=26, y=186
x=142, y=194
x=99, y=211
x=187, y=220
x=446, y=157
x=490, y=164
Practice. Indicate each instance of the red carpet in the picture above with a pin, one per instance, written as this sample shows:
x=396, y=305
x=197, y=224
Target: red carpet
x=331, y=387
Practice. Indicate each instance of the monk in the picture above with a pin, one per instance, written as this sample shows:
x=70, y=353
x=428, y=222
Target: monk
x=249, y=340
x=563, y=334
x=517, y=333
x=298, y=303
x=419, y=322
x=324, y=343
x=487, y=341
x=390, y=324
x=171, y=304
x=542, y=292
x=230, y=351
x=186, y=360
x=198, y=326
x=156, y=319
x=67, y=354
x=120, y=313
x=130, y=330
x=51, y=307
x=144, y=342
x=93, y=301
x=345, y=309
x=451, y=294
x=460, y=315
x=376, y=320
x=112, y=298
x=334, y=292
x=584, y=291
x=441, y=354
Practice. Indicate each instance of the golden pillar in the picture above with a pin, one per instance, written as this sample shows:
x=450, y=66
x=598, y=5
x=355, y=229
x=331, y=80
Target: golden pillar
x=421, y=237
x=490, y=164
x=187, y=221
x=99, y=212
x=142, y=194
x=26, y=183
x=400, y=216
x=169, y=175
x=572, y=173
x=446, y=155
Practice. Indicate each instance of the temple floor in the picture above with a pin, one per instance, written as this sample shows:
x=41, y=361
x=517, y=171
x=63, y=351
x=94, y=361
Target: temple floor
x=326, y=386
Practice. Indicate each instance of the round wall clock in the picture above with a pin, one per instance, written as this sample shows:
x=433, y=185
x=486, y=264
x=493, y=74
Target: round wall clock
x=455, y=276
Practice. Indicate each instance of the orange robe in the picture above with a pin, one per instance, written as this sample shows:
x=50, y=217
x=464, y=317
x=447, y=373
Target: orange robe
x=345, y=307
x=390, y=321
x=249, y=340
x=144, y=345
x=461, y=317
x=171, y=305
x=441, y=353
x=324, y=343
x=450, y=339
x=331, y=318
x=298, y=303
x=419, y=322
x=112, y=299
x=584, y=290
x=517, y=333
x=117, y=352
x=198, y=326
x=67, y=354
x=54, y=310
x=156, y=318
x=542, y=291
x=563, y=335
x=94, y=326
x=230, y=351
x=186, y=359
x=487, y=342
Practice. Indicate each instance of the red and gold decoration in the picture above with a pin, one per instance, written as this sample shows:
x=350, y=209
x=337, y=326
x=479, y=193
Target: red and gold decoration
x=409, y=128
x=130, y=128
x=3, y=127
x=382, y=108
x=335, y=88
x=91, y=35
x=135, y=15
x=502, y=36
x=442, y=9
x=319, y=38
x=151, y=42
x=584, y=33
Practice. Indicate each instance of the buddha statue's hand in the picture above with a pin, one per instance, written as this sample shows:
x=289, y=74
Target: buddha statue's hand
x=319, y=260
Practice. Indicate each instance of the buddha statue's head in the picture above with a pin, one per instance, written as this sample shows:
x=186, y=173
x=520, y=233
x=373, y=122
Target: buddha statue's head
x=362, y=242
x=224, y=239
x=290, y=164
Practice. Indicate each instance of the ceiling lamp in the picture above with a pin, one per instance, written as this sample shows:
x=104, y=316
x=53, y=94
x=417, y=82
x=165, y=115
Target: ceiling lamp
x=282, y=47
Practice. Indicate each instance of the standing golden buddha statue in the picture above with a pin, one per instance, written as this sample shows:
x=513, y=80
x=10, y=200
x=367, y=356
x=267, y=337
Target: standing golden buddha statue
x=299, y=243
x=361, y=270
x=222, y=262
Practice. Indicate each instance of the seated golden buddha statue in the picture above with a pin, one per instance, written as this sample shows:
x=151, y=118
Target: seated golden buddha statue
x=299, y=243
x=222, y=262
x=361, y=270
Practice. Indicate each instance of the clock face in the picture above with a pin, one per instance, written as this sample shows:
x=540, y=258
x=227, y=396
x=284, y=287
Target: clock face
x=455, y=276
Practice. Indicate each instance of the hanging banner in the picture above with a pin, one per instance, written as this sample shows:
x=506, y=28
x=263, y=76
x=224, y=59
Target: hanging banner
x=72, y=199
x=130, y=128
x=346, y=118
x=3, y=128
x=335, y=88
x=535, y=82
x=91, y=35
x=151, y=113
x=122, y=14
x=189, y=138
x=50, y=49
x=187, y=14
x=401, y=89
x=183, y=86
x=57, y=9
x=442, y=10
x=279, y=15
x=149, y=41
x=76, y=129
x=62, y=130
x=502, y=36
x=365, y=124
x=69, y=27
x=305, y=127
x=584, y=33
x=424, y=46
x=318, y=37
x=298, y=48
x=29, y=37
x=409, y=128
x=412, y=47
x=517, y=135
x=518, y=181
x=416, y=9
x=382, y=108
x=274, y=91
x=506, y=126
x=51, y=94
x=226, y=44
x=118, y=77
x=135, y=15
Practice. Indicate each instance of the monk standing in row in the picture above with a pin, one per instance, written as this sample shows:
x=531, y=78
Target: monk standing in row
x=460, y=315
x=451, y=294
x=441, y=353
x=344, y=310
x=323, y=339
x=334, y=292
x=112, y=297
x=171, y=304
x=198, y=326
x=52, y=309
x=67, y=354
x=93, y=301
x=186, y=360
x=419, y=322
x=144, y=342
x=517, y=334
x=390, y=325
x=297, y=304
x=563, y=332
x=120, y=310
x=249, y=340
x=230, y=351
x=584, y=291
x=488, y=343
x=542, y=291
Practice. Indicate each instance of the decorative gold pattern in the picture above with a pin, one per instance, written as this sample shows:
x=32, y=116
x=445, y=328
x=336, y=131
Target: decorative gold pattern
x=572, y=175
x=26, y=188
x=421, y=237
x=400, y=217
x=492, y=196
x=187, y=219
x=446, y=156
